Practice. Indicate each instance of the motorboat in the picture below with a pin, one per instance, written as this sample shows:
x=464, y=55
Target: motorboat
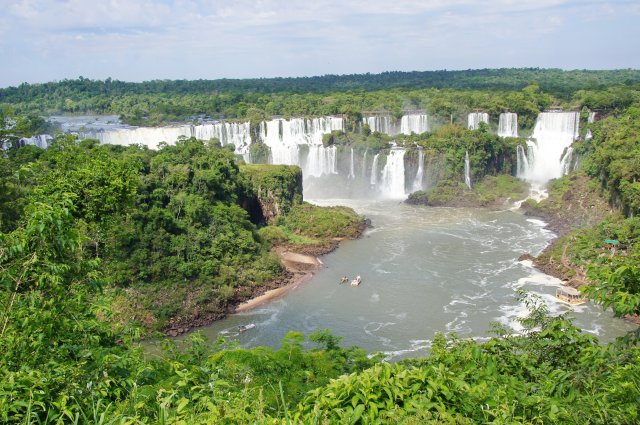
x=245, y=328
x=570, y=295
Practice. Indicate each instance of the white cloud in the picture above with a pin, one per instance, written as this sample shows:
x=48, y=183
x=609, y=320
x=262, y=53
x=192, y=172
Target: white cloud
x=146, y=39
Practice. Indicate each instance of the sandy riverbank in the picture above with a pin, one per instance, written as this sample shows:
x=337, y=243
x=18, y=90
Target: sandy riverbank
x=302, y=267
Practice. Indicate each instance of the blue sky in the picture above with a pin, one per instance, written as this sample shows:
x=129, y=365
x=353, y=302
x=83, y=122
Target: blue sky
x=136, y=40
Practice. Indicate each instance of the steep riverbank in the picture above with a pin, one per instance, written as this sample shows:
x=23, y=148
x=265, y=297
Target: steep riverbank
x=491, y=192
x=575, y=202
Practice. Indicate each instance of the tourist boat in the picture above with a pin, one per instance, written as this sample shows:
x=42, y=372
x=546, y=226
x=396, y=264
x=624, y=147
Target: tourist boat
x=569, y=295
x=356, y=281
x=245, y=328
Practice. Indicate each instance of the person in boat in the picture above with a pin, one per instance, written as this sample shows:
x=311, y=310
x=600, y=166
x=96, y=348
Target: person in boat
x=344, y=279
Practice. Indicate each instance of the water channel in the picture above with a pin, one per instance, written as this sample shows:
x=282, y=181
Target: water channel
x=424, y=270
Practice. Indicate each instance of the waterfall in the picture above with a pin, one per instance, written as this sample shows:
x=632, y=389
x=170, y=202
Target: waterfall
x=320, y=161
x=364, y=164
x=523, y=162
x=475, y=118
x=352, y=173
x=228, y=133
x=508, y=125
x=467, y=177
x=234, y=133
x=41, y=141
x=381, y=123
x=565, y=162
x=590, y=120
x=409, y=123
x=392, y=185
x=553, y=133
x=373, y=179
x=417, y=182
x=414, y=123
x=284, y=137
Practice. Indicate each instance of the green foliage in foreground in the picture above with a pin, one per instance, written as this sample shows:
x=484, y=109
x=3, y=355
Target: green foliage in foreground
x=615, y=271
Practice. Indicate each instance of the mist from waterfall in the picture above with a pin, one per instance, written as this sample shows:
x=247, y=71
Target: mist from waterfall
x=553, y=134
x=508, y=124
x=475, y=118
x=467, y=176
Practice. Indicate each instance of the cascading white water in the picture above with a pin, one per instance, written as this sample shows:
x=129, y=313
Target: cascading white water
x=321, y=161
x=475, y=118
x=392, y=184
x=417, y=181
x=409, y=123
x=234, y=133
x=373, y=179
x=553, y=133
x=382, y=124
x=352, y=172
x=508, y=124
x=591, y=119
x=414, y=123
x=228, y=133
x=523, y=162
x=567, y=158
x=467, y=176
x=284, y=137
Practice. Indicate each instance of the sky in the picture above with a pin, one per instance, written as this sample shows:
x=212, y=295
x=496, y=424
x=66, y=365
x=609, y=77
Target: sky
x=138, y=40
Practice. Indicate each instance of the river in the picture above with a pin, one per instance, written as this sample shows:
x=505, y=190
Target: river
x=424, y=270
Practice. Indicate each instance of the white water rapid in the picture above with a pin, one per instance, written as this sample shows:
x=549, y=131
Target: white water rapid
x=508, y=125
x=475, y=118
x=553, y=134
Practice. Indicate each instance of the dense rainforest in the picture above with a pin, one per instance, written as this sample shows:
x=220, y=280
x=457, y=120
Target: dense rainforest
x=100, y=244
x=444, y=94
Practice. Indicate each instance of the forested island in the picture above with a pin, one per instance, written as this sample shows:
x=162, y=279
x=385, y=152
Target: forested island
x=103, y=245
